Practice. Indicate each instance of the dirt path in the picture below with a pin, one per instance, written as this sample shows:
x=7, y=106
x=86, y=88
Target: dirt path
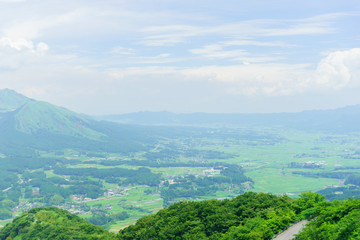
x=291, y=231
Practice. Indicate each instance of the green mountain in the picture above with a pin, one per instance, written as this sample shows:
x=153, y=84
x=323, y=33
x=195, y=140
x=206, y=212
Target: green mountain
x=11, y=100
x=253, y=216
x=52, y=223
x=247, y=216
x=38, y=116
x=43, y=126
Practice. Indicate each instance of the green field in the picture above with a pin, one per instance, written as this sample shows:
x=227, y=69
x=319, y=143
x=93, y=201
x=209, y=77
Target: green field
x=265, y=162
x=277, y=161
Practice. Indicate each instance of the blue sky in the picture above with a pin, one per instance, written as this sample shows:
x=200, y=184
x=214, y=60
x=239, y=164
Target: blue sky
x=108, y=57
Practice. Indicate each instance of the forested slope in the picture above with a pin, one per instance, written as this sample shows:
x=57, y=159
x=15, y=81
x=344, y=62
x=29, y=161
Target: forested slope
x=52, y=223
x=337, y=220
x=247, y=216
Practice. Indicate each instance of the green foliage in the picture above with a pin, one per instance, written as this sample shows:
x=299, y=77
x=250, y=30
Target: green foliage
x=187, y=187
x=307, y=200
x=5, y=213
x=104, y=220
x=254, y=216
x=51, y=223
x=191, y=186
x=353, y=179
x=339, y=220
x=248, y=216
x=56, y=200
x=141, y=176
x=36, y=116
x=234, y=174
x=6, y=178
x=341, y=193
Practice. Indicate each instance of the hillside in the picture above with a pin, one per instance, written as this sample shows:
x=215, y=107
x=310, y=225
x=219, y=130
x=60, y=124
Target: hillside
x=250, y=216
x=254, y=216
x=52, y=223
x=11, y=100
x=40, y=125
x=36, y=116
x=247, y=216
x=44, y=126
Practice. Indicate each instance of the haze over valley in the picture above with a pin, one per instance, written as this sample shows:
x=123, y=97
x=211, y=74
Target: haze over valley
x=99, y=169
x=179, y=119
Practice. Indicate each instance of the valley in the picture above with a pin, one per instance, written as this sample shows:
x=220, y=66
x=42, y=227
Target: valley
x=184, y=168
x=112, y=174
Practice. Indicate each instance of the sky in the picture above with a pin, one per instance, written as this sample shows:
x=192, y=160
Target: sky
x=229, y=56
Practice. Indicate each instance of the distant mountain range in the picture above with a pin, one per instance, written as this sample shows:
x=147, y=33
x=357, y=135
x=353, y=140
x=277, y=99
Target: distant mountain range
x=337, y=120
x=29, y=124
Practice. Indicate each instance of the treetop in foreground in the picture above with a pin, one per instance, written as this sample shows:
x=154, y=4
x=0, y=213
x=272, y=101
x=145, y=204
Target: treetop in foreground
x=250, y=215
x=247, y=216
x=52, y=223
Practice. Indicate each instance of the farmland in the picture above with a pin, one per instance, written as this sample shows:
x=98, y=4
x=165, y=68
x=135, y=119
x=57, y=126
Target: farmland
x=115, y=189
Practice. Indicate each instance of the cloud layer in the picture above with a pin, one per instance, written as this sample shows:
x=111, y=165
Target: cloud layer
x=119, y=56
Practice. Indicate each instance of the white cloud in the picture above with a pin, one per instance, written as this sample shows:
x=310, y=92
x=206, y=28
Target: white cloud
x=122, y=50
x=168, y=35
x=119, y=47
x=339, y=69
x=24, y=45
x=18, y=44
x=336, y=71
x=215, y=51
x=256, y=43
x=42, y=47
x=164, y=86
x=254, y=79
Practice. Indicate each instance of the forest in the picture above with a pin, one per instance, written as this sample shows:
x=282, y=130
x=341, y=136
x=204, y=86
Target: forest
x=252, y=216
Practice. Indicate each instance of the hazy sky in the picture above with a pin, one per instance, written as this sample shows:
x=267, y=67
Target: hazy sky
x=101, y=57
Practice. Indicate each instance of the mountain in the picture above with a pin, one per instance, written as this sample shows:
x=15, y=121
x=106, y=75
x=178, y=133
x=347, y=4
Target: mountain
x=337, y=120
x=255, y=216
x=52, y=223
x=43, y=126
x=11, y=100
x=38, y=116
x=250, y=215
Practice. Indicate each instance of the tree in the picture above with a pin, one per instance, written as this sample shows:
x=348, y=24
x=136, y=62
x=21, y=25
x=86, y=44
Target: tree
x=307, y=200
x=56, y=200
x=5, y=213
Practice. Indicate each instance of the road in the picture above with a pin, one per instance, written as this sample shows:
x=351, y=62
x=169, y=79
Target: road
x=291, y=231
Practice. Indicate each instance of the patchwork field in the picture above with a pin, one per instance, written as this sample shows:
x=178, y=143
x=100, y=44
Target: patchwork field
x=209, y=163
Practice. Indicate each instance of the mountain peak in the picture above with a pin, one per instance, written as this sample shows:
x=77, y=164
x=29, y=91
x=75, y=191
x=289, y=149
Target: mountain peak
x=11, y=100
x=37, y=116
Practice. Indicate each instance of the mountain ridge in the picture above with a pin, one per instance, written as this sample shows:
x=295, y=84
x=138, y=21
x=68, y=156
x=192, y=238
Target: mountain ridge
x=340, y=119
x=11, y=100
x=42, y=125
x=37, y=115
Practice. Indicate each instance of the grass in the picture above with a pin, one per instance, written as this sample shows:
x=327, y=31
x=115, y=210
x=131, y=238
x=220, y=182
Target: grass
x=266, y=164
x=273, y=181
x=135, y=202
x=4, y=222
x=50, y=173
x=177, y=171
